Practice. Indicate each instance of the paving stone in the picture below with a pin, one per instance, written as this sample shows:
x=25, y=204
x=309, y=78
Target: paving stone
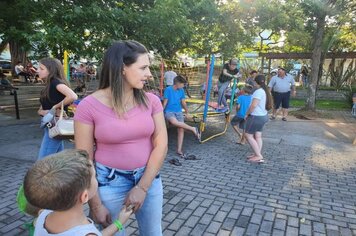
x=228, y=224
x=319, y=227
x=183, y=231
x=291, y=231
x=280, y=224
x=256, y=218
x=331, y=232
x=347, y=232
x=252, y=229
x=198, y=229
x=185, y=214
x=220, y=216
x=266, y=226
x=206, y=219
x=238, y=231
x=199, y=211
x=214, y=227
x=247, y=211
x=171, y=216
x=192, y=221
x=305, y=230
x=176, y=224
x=277, y=232
x=293, y=221
x=243, y=221
x=223, y=232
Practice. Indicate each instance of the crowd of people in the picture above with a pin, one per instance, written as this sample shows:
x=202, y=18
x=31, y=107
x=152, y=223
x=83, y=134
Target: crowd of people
x=121, y=142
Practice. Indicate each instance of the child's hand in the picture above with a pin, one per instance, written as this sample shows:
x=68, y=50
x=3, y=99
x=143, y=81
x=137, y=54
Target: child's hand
x=188, y=116
x=125, y=213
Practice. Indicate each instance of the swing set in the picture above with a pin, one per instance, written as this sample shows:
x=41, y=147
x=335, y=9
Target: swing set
x=203, y=110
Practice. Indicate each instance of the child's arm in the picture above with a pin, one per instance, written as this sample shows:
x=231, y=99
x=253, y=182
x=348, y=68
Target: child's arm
x=165, y=101
x=238, y=107
x=184, y=105
x=124, y=215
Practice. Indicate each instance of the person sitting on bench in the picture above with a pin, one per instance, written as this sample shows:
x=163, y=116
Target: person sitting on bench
x=20, y=71
x=5, y=83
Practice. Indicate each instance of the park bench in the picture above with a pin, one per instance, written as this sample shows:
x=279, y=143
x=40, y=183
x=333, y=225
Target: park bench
x=14, y=90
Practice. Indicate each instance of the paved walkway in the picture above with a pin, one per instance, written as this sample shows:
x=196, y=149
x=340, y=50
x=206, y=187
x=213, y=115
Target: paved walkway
x=307, y=186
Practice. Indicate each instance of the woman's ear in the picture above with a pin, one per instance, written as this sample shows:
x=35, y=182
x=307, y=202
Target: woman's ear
x=84, y=196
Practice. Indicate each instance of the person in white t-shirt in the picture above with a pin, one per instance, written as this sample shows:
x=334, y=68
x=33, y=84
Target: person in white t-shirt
x=256, y=117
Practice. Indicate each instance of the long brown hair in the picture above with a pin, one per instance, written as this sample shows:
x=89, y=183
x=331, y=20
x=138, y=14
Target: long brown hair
x=260, y=80
x=55, y=71
x=118, y=55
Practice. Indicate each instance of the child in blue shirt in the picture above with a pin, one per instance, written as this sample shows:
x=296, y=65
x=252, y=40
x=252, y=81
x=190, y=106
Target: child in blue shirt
x=242, y=105
x=174, y=101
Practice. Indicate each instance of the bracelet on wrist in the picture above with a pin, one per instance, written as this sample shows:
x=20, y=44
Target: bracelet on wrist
x=118, y=225
x=142, y=188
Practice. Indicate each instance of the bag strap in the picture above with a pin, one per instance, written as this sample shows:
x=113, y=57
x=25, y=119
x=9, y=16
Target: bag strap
x=62, y=110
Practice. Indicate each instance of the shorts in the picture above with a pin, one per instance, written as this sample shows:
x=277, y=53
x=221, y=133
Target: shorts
x=279, y=98
x=178, y=115
x=255, y=123
x=238, y=121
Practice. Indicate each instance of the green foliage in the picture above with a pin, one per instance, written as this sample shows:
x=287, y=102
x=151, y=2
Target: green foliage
x=198, y=27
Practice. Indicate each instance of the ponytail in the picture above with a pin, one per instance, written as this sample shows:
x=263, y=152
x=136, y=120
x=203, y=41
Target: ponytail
x=269, y=100
x=260, y=80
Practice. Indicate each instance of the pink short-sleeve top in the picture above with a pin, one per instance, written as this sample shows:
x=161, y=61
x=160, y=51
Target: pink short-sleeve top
x=121, y=142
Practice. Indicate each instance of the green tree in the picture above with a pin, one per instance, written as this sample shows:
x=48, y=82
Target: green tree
x=16, y=23
x=322, y=15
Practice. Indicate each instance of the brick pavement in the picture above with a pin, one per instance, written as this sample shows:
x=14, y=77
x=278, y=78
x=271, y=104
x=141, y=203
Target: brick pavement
x=306, y=187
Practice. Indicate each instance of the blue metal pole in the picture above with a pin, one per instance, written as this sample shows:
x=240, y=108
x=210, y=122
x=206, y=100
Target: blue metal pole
x=209, y=85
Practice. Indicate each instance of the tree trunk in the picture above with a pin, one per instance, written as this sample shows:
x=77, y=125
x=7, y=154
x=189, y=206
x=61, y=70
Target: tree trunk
x=17, y=54
x=316, y=58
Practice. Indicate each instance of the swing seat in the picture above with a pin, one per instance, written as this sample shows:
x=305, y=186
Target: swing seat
x=199, y=101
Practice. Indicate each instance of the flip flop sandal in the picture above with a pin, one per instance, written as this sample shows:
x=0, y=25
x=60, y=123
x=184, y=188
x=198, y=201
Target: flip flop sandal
x=175, y=162
x=191, y=157
x=284, y=119
x=182, y=155
x=257, y=161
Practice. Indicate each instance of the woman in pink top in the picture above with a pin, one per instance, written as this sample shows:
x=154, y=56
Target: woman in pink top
x=128, y=129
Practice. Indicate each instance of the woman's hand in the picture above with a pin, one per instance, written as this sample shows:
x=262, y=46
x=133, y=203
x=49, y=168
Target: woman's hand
x=135, y=197
x=101, y=215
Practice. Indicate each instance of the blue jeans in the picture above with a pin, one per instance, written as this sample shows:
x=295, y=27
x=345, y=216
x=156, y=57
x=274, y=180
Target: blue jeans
x=221, y=93
x=49, y=145
x=114, y=185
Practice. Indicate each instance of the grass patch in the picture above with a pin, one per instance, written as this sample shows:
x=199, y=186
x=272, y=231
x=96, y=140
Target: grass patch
x=322, y=104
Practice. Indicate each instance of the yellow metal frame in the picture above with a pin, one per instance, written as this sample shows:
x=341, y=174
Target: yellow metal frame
x=202, y=124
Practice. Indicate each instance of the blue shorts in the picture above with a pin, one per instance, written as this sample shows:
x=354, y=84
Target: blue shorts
x=279, y=98
x=178, y=115
x=238, y=121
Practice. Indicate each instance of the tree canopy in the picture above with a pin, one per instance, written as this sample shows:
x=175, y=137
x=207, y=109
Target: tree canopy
x=199, y=27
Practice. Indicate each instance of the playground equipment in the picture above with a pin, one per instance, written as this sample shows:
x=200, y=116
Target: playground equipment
x=201, y=79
